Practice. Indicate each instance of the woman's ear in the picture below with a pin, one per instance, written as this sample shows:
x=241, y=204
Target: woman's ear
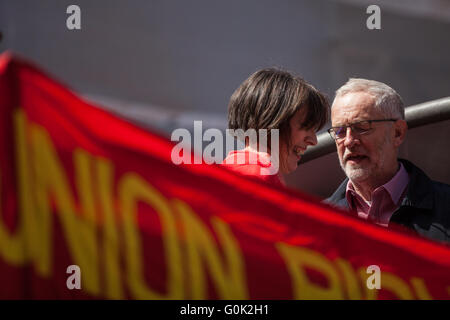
x=400, y=128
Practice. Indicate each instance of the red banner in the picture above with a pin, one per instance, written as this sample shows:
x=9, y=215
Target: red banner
x=88, y=196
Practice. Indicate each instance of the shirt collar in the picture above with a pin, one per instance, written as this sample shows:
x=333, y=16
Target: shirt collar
x=395, y=187
x=397, y=184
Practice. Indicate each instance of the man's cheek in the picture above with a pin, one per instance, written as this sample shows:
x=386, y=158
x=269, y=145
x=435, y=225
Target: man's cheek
x=340, y=155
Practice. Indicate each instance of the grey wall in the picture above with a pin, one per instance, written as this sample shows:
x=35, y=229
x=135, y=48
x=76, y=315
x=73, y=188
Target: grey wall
x=179, y=54
x=191, y=55
x=410, y=53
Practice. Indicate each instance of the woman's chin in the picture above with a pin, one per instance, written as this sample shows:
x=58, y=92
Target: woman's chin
x=292, y=167
x=294, y=164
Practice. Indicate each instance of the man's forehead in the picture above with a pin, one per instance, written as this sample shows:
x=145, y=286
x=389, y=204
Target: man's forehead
x=354, y=107
x=354, y=99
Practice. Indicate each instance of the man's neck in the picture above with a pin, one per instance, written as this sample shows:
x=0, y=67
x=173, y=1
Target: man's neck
x=365, y=188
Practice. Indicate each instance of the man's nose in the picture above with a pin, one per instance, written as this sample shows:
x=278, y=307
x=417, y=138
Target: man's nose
x=350, y=138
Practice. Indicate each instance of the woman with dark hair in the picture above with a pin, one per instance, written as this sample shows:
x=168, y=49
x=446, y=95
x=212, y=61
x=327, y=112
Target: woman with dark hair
x=274, y=99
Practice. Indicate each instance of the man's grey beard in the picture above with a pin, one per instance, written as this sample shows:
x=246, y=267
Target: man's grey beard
x=356, y=173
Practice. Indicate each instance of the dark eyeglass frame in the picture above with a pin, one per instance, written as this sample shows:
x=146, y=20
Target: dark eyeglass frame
x=332, y=130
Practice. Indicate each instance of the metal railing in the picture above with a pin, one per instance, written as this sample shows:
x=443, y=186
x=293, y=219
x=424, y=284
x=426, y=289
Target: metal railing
x=416, y=116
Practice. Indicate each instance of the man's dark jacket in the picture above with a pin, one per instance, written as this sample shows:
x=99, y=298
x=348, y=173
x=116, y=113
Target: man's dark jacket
x=425, y=207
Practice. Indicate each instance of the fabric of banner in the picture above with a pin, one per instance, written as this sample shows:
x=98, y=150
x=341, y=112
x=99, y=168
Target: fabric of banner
x=85, y=195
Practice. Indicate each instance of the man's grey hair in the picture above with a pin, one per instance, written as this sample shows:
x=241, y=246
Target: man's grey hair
x=387, y=100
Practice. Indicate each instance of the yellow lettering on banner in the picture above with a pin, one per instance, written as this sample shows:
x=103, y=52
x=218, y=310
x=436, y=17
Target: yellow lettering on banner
x=78, y=229
x=228, y=276
x=39, y=223
x=84, y=184
x=350, y=279
x=396, y=285
x=421, y=289
x=389, y=282
x=132, y=188
x=31, y=240
x=296, y=259
x=12, y=246
x=110, y=234
x=369, y=294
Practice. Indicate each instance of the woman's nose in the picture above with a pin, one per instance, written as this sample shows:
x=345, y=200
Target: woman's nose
x=312, y=138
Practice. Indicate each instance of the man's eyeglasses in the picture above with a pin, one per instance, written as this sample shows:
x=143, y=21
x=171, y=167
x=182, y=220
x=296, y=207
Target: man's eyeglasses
x=359, y=128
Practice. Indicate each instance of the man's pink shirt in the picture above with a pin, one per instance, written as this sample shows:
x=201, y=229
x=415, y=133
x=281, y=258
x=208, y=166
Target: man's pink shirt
x=385, y=199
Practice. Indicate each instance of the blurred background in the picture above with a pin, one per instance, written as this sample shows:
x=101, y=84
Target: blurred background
x=163, y=64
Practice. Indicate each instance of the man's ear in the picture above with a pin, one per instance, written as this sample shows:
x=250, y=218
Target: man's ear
x=400, y=128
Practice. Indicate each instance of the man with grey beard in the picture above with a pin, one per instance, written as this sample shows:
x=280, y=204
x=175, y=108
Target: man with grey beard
x=368, y=127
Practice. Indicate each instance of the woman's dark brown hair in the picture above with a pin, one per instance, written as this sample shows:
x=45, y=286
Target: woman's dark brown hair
x=270, y=97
